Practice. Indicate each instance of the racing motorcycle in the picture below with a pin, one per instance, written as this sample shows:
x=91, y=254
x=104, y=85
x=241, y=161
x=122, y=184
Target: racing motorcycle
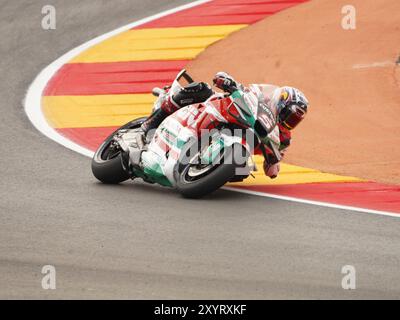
x=200, y=147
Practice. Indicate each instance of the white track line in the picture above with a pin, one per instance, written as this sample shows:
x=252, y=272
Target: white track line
x=33, y=107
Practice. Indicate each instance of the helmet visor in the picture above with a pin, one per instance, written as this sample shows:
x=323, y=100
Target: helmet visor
x=294, y=117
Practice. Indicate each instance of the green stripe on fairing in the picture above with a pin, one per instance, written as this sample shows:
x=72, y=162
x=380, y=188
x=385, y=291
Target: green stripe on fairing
x=153, y=172
x=239, y=95
x=208, y=158
x=180, y=143
x=153, y=175
x=156, y=173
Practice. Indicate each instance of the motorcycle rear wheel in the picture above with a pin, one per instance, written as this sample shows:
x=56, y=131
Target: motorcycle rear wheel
x=107, y=162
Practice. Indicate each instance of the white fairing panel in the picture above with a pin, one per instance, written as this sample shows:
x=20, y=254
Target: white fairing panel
x=166, y=137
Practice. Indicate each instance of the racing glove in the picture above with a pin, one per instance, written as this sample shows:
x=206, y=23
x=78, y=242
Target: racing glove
x=271, y=170
x=225, y=82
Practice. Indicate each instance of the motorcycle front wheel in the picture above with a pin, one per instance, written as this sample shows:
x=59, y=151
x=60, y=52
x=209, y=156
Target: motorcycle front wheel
x=195, y=180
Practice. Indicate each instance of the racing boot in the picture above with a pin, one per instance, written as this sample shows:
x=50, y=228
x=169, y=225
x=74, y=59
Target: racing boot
x=154, y=120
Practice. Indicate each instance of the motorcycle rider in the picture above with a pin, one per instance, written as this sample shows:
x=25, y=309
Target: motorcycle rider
x=291, y=105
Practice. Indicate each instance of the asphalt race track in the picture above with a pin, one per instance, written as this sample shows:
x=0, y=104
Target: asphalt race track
x=138, y=241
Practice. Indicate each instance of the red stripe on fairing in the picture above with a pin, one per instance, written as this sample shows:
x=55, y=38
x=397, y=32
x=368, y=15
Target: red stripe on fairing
x=90, y=138
x=368, y=195
x=221, y=12
x=113, y=78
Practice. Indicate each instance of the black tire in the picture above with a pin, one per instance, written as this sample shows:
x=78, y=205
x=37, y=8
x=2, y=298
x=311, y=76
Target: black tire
x=221, y=174
x=111, y=171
